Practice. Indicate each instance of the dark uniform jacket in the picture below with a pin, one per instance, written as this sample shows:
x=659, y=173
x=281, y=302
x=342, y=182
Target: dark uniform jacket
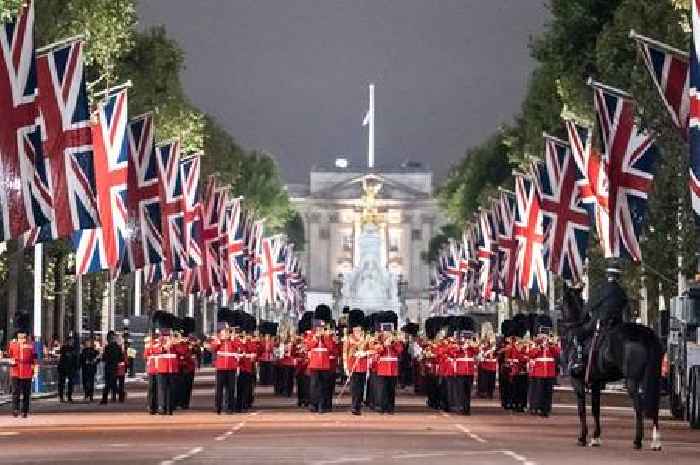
x=609, y=305
x=68, y=360
x=112, y=356
x=88, y=360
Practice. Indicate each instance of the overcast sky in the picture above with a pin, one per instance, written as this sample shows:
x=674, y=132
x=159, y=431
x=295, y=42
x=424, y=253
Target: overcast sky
x=290, y=76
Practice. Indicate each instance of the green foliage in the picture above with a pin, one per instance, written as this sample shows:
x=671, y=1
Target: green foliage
x=294, y=229
x=108, y=27
x=483, y=168
x=9, y=8
x=437, y=242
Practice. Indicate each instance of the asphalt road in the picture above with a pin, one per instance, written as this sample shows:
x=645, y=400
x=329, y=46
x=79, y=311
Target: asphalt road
x=278, y=433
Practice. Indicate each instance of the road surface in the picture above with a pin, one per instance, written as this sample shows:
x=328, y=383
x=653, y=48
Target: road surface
x=277, y=432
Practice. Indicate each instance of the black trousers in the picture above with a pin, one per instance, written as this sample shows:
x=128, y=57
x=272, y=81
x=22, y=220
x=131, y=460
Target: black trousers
x=286, y=380
x=386, y=387
x=267, y=373
x=505, y=389
x=186, y=384
x=455, y=389
x=121, y=388
x=166, y=392
x=320, y=381
x=519, y=391
x=540, y=394
x=21, y=387
x=63, y=379
x=303, y=390
x=486, y=384
x=225, y=381
x=468, y=383
x=357, y=390
x=244, y=388
x=430, y=385
x=88, y=377
x=371, y=397
x=110, y=385
x=152, y=394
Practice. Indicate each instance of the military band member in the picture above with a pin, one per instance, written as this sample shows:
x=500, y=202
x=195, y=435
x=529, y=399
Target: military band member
x=388, y=349
x=227, y=353
x=487, y=369
x=23, y=368
x=245, y=383
x=465, y=363
x=302, y=371
x=266, y=360
x=319, y=347
x=543, y=354
x=356, y=356
x=517, y=364
x=151, y=351
x=287, y=365
x=187, y=368
x=168, y=369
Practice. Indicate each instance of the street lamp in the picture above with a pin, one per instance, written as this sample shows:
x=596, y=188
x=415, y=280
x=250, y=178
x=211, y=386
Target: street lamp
x=337, y=294
x=402, y=287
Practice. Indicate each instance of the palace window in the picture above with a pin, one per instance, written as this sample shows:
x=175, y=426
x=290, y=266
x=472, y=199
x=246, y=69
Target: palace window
x=416, y=234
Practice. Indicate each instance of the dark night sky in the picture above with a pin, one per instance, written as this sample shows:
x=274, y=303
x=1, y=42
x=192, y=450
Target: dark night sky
x=290, y=76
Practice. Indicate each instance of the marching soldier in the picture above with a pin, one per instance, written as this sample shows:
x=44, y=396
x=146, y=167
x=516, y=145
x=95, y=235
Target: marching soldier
x=23, y=368
x=355, y=358
x=388, y=349
x=319, y=347
x=487, y=366
x=151, y=352
x=168, y=368
x=465, y=358
x=543, y=355
x=227, y=352
x=302, y=372
x=246, y=375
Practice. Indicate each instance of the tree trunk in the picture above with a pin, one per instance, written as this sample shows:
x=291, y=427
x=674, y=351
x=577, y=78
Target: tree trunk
x=59, y=302
x=15, y=257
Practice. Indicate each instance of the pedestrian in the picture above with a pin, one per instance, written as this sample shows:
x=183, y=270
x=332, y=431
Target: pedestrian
x=89, y=357
x=121, y=372
x=112, y=355
x=67, y=368
x=23, y=368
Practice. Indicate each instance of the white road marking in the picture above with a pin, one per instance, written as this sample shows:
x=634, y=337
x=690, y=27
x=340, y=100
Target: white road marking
x=229, y=433
x=473, y=436
x=8, y=433
x=343, y=460
x=520, y=458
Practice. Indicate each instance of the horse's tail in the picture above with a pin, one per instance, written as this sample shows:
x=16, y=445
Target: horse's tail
x=652, y=379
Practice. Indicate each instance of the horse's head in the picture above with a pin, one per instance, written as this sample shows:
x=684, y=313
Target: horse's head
x=572, y=305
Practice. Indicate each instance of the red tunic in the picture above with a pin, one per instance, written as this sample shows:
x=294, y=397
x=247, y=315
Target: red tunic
x=22, y=360
x=464, y=360
x=543, y=359
x=151, y=352
x=357, y=364
x=250, y=354
x=388, y=361
x=228, y=352
x=320, y=351
x=168, y=362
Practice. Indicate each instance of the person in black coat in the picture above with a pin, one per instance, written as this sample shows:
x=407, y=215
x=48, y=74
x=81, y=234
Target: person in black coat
x=89, y=357
x=111, y=356
x=67, y=368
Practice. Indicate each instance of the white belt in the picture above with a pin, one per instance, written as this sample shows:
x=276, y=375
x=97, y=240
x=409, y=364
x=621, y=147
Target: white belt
x=319, y=349
x=468, y=359
x=227, y=354
x=388, y=359
x=544, y=359
x=168, y=355
x=250, y=355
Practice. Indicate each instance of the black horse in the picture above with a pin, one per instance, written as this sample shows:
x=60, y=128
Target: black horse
x=628, y=351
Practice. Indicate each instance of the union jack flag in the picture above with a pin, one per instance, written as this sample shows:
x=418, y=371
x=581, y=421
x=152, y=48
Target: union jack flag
x=507, y=244
x=470, y=265
x=172, y=206
x=528, y=230
x=192, y=280
x=488, y=255
x=626, y=173
x=454, y=274
x=156, y=273
x=65, y=114
x=111, y=158
x=90, y=253
x=215, y=200
x=668, y=68
x=694, y=123
x=253, y=232
x=271, y=279
x=235, y=254
x=189, y=170
x=25, y=196
x=566, y=223
x=144, y=218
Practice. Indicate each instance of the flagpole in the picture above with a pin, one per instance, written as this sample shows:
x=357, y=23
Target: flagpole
x=38, y=265
x=190, y=305
x=638, y=37
x=137, y=293
x=60, y=43
x=607, y=88
x=370, y=154
x=112, y=90
x=78, y=304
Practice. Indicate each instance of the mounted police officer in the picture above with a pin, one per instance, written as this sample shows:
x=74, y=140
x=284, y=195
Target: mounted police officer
x=608, y=306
